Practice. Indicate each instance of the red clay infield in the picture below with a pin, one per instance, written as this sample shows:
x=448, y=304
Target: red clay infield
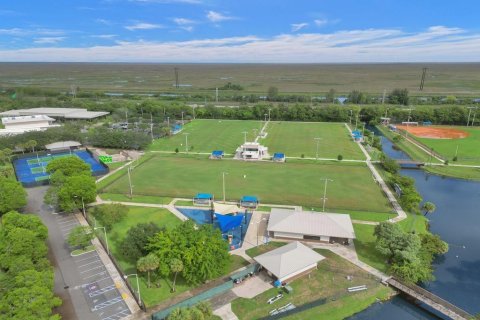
x=435, y=132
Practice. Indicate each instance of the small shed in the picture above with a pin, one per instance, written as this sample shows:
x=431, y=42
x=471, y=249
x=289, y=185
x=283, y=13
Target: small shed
x=203, y=199
x=357, y=135
x=62, y=146
x=290, y=261
x=250, y=202
x=217, y=154
x=279, y=157
x=177, y=128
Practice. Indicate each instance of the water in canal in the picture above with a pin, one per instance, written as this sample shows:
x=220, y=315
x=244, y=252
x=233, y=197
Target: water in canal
x=457, y=221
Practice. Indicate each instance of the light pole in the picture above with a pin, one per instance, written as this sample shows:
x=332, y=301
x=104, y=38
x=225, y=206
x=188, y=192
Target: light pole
x=363, y=130
x=130, y=181
x=223, y=176
x=318, y=141
x=138, y=285
x=182, y=118
x=265, y=117
x=83, y=207
x=106, y=239
x=186, y=141
x=325, y=191
x=269, y=114
x=244, y=136
x=351, y=114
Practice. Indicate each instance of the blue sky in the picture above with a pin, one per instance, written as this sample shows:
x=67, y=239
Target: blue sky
x=240, y=31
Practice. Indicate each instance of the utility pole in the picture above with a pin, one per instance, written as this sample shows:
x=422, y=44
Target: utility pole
x=130, y=181
x=265, y=117
x=422, y=82
x=469, y=113
x=216, y=95
x=177, y=84
x=318, y=141
x=386, y=112
x=182, y=118
x=269, y=113
x=474, y=114
x=351, y=114
x=223, y=176
x=325, y=191
x=186, y=142
x=384, y=94
x=151, y=125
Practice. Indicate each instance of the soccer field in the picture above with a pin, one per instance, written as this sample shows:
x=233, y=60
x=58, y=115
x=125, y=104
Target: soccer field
x=468, y=148
x=297, y=138
x=294, y=183
x=209, y=135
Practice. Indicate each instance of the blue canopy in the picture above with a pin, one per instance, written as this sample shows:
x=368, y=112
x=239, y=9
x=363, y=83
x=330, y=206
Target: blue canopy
x=249, y=199
x=279, y=155
x=217, y=153
x=177, y=127
x=206, y=196
x=227, y=223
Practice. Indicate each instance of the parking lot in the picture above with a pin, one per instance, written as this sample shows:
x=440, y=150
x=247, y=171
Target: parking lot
x=91, y=278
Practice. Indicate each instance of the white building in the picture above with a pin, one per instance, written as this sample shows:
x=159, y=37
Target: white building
x=310, y=226
x=21, y=124
x=63, y=113
x=290, y=261
x=251, y=151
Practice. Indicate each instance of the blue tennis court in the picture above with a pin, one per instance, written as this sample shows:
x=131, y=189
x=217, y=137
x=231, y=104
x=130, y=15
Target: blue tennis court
x=31, y=170
x=237, y=234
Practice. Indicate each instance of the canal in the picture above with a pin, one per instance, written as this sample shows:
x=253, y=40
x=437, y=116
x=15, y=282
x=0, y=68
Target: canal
x=457, y=221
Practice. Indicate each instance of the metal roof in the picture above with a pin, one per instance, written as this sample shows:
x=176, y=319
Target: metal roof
x=26, y=119
x=62, y=145
x=288, y=259
x=67, y=113
x=311, y=223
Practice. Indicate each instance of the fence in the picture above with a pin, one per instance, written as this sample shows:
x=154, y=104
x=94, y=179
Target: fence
x=209, y=293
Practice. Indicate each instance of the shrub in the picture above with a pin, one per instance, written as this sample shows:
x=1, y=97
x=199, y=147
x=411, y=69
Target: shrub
x=339, y=157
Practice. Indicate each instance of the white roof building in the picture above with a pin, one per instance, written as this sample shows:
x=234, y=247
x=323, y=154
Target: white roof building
x=313, y=226
x=66, y=113
x=289, y=261
x=62, y=145
x=21, y=124
x=251, y=151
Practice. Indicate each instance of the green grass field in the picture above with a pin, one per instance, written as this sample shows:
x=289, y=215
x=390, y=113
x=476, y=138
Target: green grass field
x=468, y=148
x=290, y=183
x=209, y=135
x=297, y=138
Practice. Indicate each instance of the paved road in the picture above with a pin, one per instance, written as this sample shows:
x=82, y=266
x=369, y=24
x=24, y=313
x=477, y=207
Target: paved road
x=82, y=282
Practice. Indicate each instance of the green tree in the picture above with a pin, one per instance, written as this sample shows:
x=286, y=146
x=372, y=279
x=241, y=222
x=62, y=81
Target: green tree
x=176, y=266
x=330, y=97
x=428, y=207
x=13, y=219
x=148, y=264
x=80, y=236
x=134, y=243
x=205, y=307
x=68, y=166
x=399, y=96
x=12, y=195
x=20, y=242
x=76, y=188
x=396, y=244
x=109, y=214
x=356, y=97
x=180, y=314
x=272, y=93
x=31, y=144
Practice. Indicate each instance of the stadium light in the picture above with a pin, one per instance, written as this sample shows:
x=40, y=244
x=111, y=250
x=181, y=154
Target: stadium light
x=325, y=192
x=106, y=239
x=186, y=141
x=318, y=140
x=223, y=176
x=138, y=286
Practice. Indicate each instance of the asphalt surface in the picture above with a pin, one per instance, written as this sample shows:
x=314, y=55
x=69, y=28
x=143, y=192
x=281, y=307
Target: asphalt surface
x=82, y=282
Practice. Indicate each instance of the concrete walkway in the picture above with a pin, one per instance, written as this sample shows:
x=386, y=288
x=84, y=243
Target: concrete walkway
x=225, y=312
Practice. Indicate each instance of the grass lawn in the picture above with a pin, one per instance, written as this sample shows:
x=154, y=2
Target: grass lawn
x=163, y=218
x=468, y=148
x=136, y=198
x=209, y=135
x=291, y=183
x=458, y=172
x=328, y=281
x=114, y=165
x=297, y=138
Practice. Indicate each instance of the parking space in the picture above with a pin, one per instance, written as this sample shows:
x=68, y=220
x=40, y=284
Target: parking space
x=92, y=278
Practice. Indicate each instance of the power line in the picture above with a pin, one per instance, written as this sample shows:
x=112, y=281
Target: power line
x=177, y=84
x=424, y=73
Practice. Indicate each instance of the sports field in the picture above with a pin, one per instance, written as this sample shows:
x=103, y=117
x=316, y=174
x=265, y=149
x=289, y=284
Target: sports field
x=295, y=183
x=209, y=135
x=468, y=147
x=297, y=138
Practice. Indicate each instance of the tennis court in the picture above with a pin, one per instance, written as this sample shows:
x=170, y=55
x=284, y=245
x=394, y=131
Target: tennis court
x=32, y=169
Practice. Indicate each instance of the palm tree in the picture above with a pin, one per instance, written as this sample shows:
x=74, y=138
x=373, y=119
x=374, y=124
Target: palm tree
x=176, y=266
x=428, y=207
x=147, y=264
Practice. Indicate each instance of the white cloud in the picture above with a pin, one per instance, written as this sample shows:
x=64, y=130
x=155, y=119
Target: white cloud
x=298, y=26
x=143, y=26
x=28, y=32
x=187, y=28
x=48, y=40
x=104, y=36
x=214, y=16
x=183, y=21
x=104, y=21
x=320, y=22
x=435, y=44
x=169, y=1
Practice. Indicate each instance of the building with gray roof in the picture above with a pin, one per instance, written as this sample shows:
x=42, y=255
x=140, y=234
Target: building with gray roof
x=310, y=226
x=64, y=113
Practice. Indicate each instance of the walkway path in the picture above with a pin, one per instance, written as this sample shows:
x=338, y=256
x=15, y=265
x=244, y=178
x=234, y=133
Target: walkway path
x=401, y=215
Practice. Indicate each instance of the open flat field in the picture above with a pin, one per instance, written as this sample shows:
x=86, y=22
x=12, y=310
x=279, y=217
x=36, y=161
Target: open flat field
x=468, y=148
x=209, y=135
x=297, y=138
x=448, y=78
x=295, y=183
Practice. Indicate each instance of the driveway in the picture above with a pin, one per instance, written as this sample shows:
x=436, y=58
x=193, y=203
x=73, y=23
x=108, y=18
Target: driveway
x=83, y=283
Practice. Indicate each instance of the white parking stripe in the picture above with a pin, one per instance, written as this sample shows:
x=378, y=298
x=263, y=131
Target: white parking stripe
x=96, y=274
x=92, y=256
x=118, y=315
x=83, y=265
x=96, y=281
x=92, y=269
x=69, y=226
x=66, y=221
